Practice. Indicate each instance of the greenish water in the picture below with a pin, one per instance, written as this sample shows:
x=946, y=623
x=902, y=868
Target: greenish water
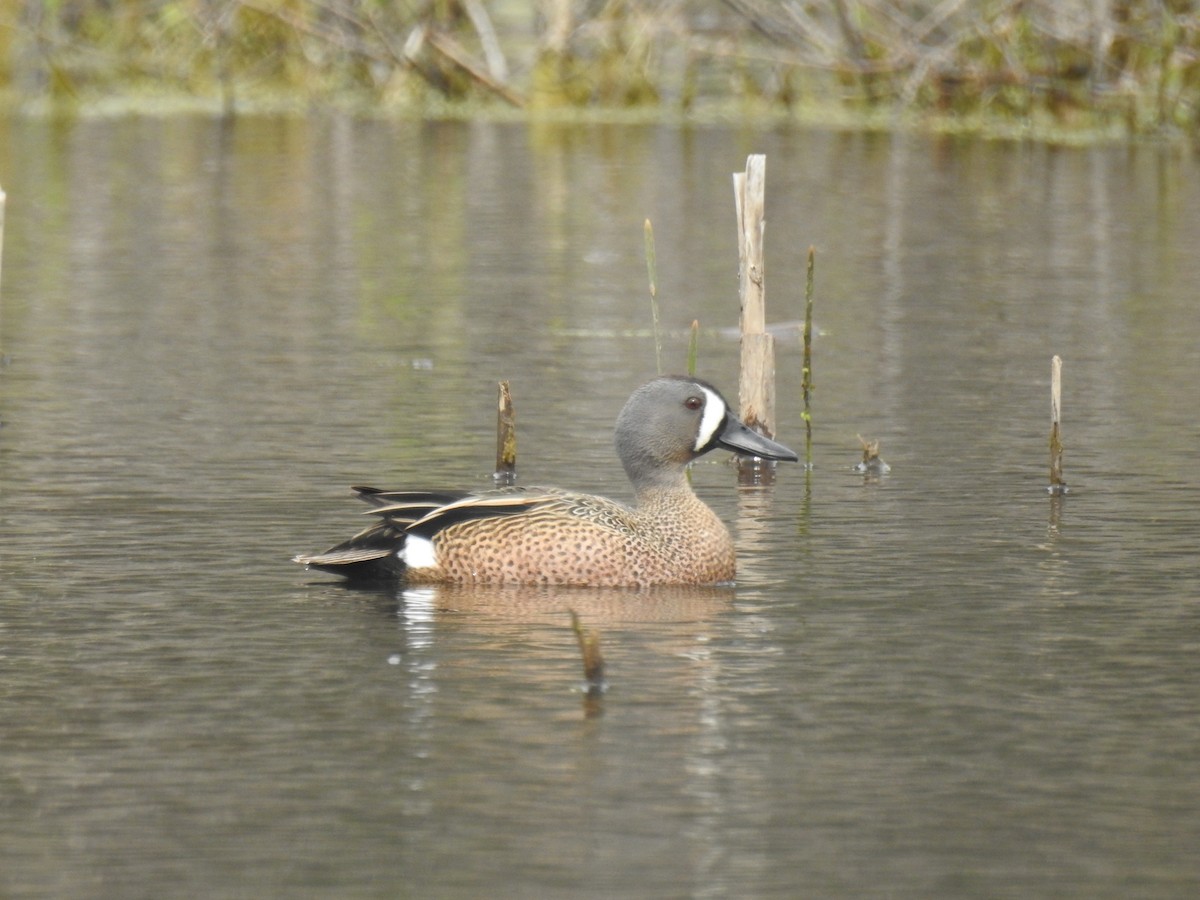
x=940, y=683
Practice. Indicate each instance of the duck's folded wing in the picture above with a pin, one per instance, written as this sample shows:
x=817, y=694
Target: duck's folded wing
x=379, y=541
x=480, y=506
x=430, y=500
x=372, y=552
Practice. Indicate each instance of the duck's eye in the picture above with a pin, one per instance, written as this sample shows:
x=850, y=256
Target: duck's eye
x=694, y=402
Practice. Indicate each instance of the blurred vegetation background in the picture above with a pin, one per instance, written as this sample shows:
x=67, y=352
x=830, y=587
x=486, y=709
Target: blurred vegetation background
x=1127, y=64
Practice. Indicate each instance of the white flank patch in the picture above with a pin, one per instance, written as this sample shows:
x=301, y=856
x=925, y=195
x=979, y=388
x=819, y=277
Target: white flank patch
x=714, y=415
x=418, y=553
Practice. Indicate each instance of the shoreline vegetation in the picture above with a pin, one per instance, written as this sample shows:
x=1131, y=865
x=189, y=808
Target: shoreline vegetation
x=1072, y=71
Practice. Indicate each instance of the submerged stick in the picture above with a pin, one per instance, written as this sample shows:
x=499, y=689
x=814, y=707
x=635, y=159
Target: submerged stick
x=652, y=269
x=593, y=661
x=756, y=386
x=1057, y=484
x=506, y=438
x=806, y=384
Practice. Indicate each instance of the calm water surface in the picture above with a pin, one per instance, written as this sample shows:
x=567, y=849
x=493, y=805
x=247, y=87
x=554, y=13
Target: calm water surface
x=938, y=684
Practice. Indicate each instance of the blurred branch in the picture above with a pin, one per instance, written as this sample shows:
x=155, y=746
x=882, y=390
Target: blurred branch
x=482, y=23
x=454, y=52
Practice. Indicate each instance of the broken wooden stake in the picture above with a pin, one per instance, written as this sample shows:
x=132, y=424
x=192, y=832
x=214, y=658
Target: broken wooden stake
x=1057, y=484
x=872, y=463
x=756, y=385
x=506, y=438
x=593, y=661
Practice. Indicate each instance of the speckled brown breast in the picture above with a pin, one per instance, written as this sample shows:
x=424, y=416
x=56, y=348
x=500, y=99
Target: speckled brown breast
x=584, y=540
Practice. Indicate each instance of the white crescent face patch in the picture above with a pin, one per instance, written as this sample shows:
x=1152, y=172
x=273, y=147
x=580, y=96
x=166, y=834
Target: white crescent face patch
x=710, y=421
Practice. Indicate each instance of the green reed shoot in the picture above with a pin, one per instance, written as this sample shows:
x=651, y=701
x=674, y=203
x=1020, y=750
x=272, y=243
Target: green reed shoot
x=806, y=382
x=652, y=269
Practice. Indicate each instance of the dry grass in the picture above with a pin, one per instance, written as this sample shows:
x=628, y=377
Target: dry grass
x=1072, y=63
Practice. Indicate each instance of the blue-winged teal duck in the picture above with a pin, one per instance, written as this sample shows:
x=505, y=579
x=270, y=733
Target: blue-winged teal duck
x=551, y=536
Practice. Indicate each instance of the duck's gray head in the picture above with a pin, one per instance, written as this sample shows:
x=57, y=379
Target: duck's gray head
x=670, y=421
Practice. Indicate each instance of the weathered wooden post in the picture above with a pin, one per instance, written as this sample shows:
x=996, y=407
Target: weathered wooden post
x=506, y=438
x=756, y=386
x=1057, y=484
x=593, y=664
